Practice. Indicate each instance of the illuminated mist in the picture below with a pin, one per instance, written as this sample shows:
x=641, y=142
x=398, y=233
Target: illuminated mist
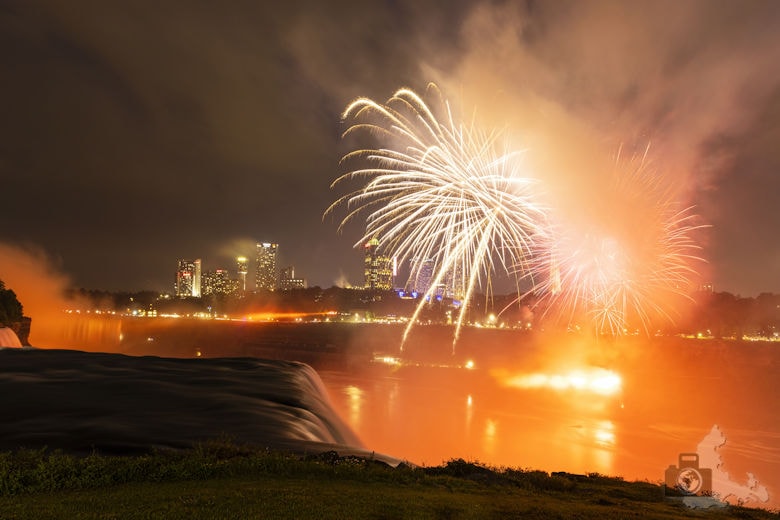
x=41, y=289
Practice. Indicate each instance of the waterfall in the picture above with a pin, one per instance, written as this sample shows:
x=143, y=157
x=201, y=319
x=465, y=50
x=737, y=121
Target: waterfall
x=79, y=401
x=8, y=338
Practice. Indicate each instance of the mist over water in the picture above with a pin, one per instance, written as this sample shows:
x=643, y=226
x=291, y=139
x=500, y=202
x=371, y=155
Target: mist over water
x=8, y=338
x=40, y=287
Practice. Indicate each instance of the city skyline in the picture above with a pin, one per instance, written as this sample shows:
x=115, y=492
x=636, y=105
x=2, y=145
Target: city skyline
x=192, y=276
x=172, y=146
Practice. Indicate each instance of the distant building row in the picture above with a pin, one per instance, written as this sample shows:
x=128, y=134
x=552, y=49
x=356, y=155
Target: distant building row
x=192, y=282
x=380, y=273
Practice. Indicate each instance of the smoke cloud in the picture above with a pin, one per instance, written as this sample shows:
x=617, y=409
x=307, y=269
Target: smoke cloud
x=40, y=287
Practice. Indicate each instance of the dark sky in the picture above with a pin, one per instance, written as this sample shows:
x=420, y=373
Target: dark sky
x=136, y=133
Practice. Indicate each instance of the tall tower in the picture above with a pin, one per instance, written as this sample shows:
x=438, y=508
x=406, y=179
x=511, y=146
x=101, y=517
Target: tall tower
x=243, y=269
x=196, y=280
x=377, y=267
x=188, y=279
x=265, y=276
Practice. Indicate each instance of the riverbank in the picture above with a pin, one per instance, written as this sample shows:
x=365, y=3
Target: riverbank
x=220, y=479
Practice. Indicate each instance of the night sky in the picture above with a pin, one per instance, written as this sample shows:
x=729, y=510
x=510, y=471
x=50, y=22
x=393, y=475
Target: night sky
x=136, y=133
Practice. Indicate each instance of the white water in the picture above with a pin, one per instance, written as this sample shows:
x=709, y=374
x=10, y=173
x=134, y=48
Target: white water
x=8, y=338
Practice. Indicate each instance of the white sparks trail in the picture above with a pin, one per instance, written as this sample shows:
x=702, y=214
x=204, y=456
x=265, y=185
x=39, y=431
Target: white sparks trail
x=445, y=192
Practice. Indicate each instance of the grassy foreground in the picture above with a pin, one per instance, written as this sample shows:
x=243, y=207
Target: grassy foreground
x=221, y=480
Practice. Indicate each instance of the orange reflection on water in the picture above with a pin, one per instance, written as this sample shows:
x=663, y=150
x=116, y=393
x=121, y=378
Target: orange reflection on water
x=587, y=379
x=431, y=415
x=355, y=403
x=605, y=434
x=286, y=316
x=489, y=437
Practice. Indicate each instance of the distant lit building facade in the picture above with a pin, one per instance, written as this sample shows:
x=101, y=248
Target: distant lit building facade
x=242, y=267
x=188, y=283
x=454, y=284
x=218, y=283
x=421, y=275
x=266, y=277
x=288, y=281
x=378, y=268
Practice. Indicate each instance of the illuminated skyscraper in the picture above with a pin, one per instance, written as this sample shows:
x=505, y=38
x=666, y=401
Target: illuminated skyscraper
x=266, y=277
x=377, y=267
x=243, y=269
x=421, y=275
x=188, y=279
x=217, y=282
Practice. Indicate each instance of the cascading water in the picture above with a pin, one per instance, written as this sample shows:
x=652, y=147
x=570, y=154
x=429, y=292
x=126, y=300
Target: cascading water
x=8, y=338
x=123, y=404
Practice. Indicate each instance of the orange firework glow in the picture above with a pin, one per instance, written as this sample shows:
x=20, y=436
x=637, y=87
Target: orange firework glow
x=588, y=379
x=627, y=262
x=287, y=316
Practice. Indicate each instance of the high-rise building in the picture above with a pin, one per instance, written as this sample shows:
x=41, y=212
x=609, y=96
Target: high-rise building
x=424, y=272
x=454, y=283
x=377, y=267
x=217, y=283
x=421, y=276
x=288, y=281
x=188, y=279
x=243, y=269
x=266, y=277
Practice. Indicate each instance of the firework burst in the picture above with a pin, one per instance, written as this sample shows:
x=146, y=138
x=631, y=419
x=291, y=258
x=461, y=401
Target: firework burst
x=440, y=190
x=627, y=265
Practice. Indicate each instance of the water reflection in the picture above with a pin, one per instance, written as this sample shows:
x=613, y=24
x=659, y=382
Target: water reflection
x=355, y=403
x=667, y=401
x=430, y=415
x=489, y=438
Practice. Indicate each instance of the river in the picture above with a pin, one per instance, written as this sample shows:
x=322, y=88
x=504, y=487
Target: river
x=556, y=403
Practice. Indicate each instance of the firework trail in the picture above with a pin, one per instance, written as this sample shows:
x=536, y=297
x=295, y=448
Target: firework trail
x=440, y=190
x=626, y=266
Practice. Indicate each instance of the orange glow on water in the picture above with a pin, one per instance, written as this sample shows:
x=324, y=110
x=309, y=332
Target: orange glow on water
x=285, y=316
x=567, y=404
x=588, y=379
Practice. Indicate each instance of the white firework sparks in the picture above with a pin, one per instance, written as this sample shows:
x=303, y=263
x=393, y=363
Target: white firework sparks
x=444, y=191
